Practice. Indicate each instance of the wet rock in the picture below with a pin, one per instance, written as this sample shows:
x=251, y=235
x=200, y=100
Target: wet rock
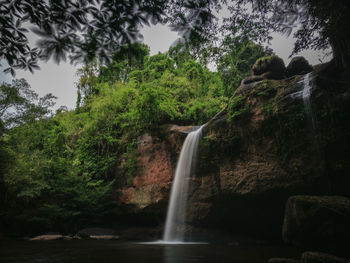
x=94, y=233
x=318, y=257
x=321, y=222
x=283, y=260
x=298, y=66
x=47, y=238
x=273, y=65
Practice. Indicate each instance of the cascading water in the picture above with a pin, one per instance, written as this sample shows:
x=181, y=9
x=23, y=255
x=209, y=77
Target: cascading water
x=306, y=99
x=176, y=214
x=305, y=94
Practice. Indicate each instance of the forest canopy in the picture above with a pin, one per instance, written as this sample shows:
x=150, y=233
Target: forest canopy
x=84, y=30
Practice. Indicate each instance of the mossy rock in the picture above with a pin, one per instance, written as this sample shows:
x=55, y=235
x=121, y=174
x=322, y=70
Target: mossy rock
x=274, y=65
x=298, y=66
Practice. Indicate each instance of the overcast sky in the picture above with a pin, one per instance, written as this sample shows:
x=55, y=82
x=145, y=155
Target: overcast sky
x=60, y=79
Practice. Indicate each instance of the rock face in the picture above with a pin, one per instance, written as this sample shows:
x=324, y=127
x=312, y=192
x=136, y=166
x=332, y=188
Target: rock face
x=298, y=66
x=154, y=169
x=47, y=237
x=321, y=222
x=263, y=150
x=146, y=195
x=255, y=154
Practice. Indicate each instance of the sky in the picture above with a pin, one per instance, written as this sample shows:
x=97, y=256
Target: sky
x=60, y=80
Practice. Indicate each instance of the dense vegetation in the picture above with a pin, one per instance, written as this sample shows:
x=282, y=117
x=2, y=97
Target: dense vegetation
x=59, y=171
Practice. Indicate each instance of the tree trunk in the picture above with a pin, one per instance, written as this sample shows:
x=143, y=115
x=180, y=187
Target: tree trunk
x=341, y=51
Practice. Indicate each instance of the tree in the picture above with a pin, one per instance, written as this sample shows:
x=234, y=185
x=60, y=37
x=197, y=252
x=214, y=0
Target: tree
x=86, y=86
x=19, y=104
x=235, y=58
x=318, y=23
x=126, y=59
x=85, y=29
x=201, y=51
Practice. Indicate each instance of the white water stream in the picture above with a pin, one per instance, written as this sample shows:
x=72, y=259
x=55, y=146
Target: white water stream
x=176, y=215
x=305, y=93
x=306, y=98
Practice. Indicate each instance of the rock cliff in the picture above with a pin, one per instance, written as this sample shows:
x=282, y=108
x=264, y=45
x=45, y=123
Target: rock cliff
x=260, y=150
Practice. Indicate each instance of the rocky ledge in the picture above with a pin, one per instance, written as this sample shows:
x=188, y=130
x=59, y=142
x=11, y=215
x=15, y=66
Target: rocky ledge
x=256, y=153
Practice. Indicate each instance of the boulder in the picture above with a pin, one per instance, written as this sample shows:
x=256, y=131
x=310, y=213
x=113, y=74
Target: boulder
x=273, y=65
x=318, y=257
x=47, y=237
x=283, y=260
x=97, y=233
x=321, y=222
x=298, y=66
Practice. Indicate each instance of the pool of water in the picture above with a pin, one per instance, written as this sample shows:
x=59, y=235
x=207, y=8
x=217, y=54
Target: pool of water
x=117, y=251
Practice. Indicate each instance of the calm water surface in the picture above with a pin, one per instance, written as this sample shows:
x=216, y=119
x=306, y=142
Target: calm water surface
x=117, y=251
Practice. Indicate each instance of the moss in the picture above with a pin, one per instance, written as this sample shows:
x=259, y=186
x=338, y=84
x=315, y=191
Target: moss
x=267, y=109
x=237, y=107
x=130, y=157
x=269, y=64
x=218, y=146
x=267, y=93
x=268, y=59
x=266, y=89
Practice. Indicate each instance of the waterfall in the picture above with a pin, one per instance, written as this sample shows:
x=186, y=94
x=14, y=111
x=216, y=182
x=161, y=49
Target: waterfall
x=306, y=98
x=176, y=214
x=305, y=94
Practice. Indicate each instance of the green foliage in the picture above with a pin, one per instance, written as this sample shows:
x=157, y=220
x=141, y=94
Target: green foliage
x=125, y=60
x=84, y=30
x=20, y=104
x=236, y=58
x=45, y=184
